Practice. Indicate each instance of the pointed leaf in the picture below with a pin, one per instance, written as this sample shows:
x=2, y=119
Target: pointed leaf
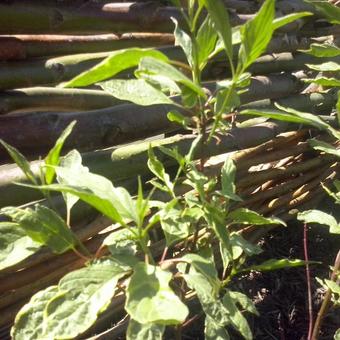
x=317, y=216
x=21, y=161
x=329, y=66
x=83, y=295
x=183, y=40
x=323, y=81
x=220, y=20
x=330, y=11
x=149, y=299
x=275, y=264
x=213, y=331
x=15, y=245
x=324, y=147
x=282, y=21
x=151, y=66
x=28, y=324
x=117, y=62
x=147, y=331
x=206, y=40
x=323, y=50
x=256, y=35
x=137, y=91
x=228, y=174
x=71, y=161
x=52, y=159
x=121, y=242
x=246, y=216
x=44, y=226
x=238, y=321
x=244, y=301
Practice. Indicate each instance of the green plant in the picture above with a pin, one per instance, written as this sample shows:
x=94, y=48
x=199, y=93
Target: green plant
x=199, y=222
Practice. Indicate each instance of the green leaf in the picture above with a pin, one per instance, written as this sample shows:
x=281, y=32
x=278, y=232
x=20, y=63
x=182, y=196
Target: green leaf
x=148, y=331
x=176, y=117
x=137, y=91
x=73, y=162
x=28, y=324
x=213, y=331
x=323, y=50
x=206, y=267
x=256, y=35
x=151, y=66
x=329, y=11
x=246, y=216
x=323, y=81
x=317, y=216
x=243, y=301
x=52, y=159
x=83, y=295
x=44, y=226
x=21, y=161
x=338, y=108
x=286, y=19
x=149, y=290
x=117, y=62
x=337, y=335
x=275, y=264
x=220, y=19
x=15, y=245
x=311, y=119
x=228, y=173
x=157, y=168
x=238, y=321
x=329, y=66
x=324, y=147
x=175, y=226
x=114, y=202
x=206, y=40
x=121, y=242
x=183, y=40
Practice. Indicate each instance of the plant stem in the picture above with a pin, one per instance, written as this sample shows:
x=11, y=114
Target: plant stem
x=326, y=302
x=309, y=289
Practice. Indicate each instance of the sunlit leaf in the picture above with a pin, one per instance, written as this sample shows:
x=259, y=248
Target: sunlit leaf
x=183, y=40
x=206, y=40
x=320, y=217
x=256, y=35
x=323, y=50
x=274, y=264
x=220, y=20
x=323, y=81
x=137, y=91
x=121, y=242
x=329, y=66
x=71, y=161
x=44, y=226
x=28, y=324
x=83, y=295
x=329, y=11
x=53, y=157
x=21, y=161
x=149, y=290
x=15, y=245
x=151, y=66
x=228, y=174
x=246, y=216
x=237, y=320
x=213, y=331
x=118, y=61
x=147, y=331
x=286, y=19
x=324, y=147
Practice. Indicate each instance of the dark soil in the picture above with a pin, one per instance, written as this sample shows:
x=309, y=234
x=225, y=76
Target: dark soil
x=281, y=296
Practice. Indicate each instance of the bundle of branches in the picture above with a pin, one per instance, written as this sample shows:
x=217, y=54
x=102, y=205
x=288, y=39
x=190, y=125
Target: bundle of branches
x=273, y=178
